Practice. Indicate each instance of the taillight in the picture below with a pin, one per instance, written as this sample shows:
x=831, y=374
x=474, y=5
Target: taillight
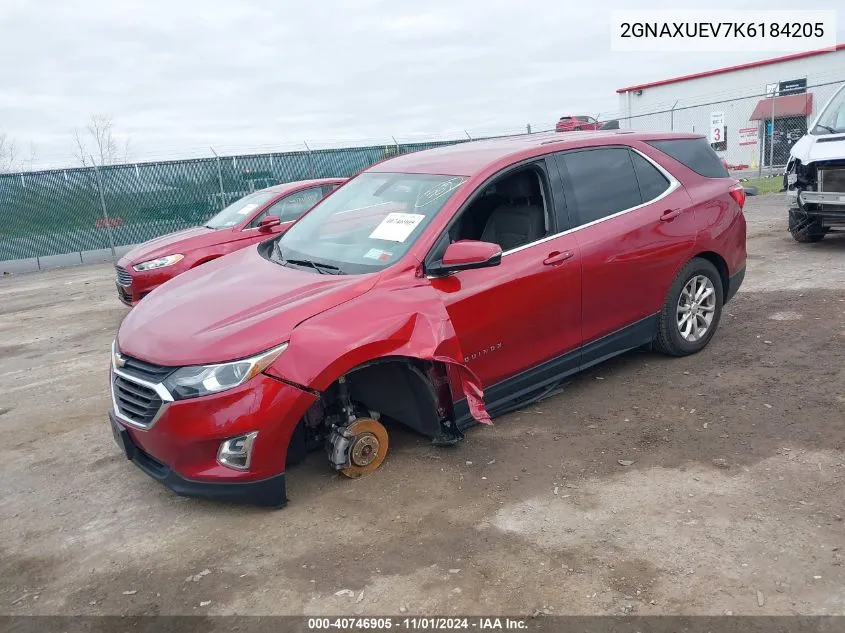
x=738, y=194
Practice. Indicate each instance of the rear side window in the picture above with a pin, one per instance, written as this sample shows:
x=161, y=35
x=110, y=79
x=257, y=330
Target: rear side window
x=695, y=153
x=652, y=182
x=603, y=182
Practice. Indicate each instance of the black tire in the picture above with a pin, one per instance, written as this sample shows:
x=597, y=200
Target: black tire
x=669, y=339
x=804, y=228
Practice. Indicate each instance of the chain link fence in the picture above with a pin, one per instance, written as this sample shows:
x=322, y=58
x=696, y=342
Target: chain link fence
x=96, y=209
x=753, y=133
x=77, y=211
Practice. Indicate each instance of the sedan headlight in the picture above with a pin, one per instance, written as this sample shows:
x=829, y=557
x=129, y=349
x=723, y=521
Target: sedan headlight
x=161, y=262
x=201, y=380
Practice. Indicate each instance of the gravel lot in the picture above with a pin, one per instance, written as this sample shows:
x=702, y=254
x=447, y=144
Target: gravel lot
x=733, y=503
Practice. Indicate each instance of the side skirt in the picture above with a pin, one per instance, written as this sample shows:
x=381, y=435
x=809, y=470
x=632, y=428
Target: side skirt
x=516, y=391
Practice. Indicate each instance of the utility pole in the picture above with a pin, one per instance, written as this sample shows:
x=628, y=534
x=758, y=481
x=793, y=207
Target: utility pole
x=219, y=179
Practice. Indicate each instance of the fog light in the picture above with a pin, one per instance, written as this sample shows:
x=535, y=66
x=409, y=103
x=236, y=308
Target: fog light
x=237, y=451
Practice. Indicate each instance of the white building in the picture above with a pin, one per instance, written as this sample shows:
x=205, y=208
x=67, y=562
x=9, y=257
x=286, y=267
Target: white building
x=734, y=105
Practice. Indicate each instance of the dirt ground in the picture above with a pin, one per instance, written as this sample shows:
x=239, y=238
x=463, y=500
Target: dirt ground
x=734, y=501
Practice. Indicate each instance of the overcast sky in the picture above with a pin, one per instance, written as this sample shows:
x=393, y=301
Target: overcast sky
x=178, y=76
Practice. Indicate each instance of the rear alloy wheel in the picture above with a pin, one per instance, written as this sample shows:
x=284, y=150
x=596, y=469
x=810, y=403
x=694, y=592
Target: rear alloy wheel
x=804, y=228
x=691, y=311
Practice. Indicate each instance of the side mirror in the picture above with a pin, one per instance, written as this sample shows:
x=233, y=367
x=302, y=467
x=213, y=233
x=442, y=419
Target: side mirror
x=268, y=222
x=468, y=254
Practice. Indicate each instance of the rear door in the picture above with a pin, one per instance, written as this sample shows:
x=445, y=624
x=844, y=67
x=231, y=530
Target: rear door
x=635, y=230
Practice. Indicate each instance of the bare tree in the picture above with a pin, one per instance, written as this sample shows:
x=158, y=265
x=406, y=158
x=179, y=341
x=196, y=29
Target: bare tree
x=99, y=143
x=8, y=154
x=29, y=163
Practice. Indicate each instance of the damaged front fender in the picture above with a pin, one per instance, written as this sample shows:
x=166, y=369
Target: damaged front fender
x=394, y=319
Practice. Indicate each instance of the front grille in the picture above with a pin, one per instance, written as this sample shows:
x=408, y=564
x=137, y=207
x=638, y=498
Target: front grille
x=832, y=180
x=123, y=276
x=124, y=294
x=144, y=370
x=135, y=402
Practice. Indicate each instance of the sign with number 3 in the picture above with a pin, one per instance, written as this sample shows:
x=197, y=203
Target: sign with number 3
x=717, y=127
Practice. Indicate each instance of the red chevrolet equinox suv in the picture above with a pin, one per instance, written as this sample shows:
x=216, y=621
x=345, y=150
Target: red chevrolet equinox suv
x=433, y=290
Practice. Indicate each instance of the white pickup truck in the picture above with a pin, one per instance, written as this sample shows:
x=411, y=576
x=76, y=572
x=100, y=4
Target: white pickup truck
x=814, y=178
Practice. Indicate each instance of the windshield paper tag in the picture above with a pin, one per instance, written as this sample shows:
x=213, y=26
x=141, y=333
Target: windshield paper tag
x=377, y=253
x=247, y=208
x=396, y=227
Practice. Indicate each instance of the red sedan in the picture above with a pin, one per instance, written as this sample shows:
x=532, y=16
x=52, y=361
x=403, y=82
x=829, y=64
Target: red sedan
x=576, y=123
x=251, y=219
x=434, y=290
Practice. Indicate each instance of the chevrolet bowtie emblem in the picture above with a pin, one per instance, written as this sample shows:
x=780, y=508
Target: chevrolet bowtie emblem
x=119, y=361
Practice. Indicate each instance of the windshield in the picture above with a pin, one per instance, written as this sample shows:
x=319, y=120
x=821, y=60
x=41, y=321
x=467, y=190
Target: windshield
x=238, y=211
x=832, y=119
x=367, y=224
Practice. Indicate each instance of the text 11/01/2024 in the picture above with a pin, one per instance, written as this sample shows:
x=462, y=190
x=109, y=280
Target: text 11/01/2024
x=418, y=623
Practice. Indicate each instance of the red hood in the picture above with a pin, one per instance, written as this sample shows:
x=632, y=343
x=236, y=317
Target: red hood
x=179, y=242
x=230, y=308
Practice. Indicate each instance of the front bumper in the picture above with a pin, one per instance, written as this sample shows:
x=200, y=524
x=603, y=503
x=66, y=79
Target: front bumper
x=828, y=207
x=268, y=492
x=835, y=198
x=133, y=286
x=179, y=447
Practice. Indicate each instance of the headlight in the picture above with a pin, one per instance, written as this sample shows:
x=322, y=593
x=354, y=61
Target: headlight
x=201, y=380
x=161, y=262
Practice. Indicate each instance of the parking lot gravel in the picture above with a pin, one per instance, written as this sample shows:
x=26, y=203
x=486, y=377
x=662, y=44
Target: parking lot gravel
x=710, y=484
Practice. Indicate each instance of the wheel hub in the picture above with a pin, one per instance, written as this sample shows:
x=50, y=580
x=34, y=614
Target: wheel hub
x=696, y=308
x=364, y=449
x=360, y=447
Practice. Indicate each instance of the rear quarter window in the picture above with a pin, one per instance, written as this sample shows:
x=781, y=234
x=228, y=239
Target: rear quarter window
x=695, y=153
x=652, y=182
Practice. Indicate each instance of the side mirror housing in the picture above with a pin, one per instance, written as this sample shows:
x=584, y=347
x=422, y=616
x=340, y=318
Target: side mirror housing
x=268, y=222
x=468, y=254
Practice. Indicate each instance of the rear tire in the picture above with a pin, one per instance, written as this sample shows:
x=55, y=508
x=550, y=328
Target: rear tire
x=804, y=228
x=692, y=310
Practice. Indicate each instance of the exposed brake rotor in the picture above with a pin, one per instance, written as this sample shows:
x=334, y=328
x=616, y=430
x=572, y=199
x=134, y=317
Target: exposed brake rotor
x=363, y=445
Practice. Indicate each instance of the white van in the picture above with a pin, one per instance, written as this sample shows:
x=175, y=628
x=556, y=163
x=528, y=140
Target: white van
x=815, y=175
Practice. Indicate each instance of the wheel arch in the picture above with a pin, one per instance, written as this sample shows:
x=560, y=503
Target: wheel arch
x=403, y=389
x=721, y=266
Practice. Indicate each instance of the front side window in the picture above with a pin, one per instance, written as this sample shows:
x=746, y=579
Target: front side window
x=368, y=224
x=832, y=120
x=291, y=207
x=603, y=182
x=510, y=212
x=239, y=210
